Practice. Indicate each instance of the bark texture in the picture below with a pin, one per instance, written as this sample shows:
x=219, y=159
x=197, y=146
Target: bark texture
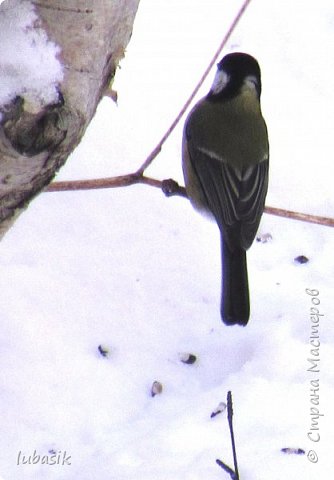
x=92, y=36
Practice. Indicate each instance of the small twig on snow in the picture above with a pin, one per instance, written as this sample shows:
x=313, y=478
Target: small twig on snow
x=230, y=424
x=226, y=468
x=234, y=474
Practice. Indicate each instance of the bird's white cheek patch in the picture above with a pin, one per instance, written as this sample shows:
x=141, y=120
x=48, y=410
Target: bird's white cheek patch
x=220, y=81
x=251, y=83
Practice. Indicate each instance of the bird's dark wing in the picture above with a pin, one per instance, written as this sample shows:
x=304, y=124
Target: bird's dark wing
x=254, y=186
x=236, y=198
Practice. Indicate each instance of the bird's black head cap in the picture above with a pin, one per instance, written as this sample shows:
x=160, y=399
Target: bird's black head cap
x=232, y=71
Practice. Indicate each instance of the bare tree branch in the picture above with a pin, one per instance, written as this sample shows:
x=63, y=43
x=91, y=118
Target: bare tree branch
x=304, y=217
x=171, y=188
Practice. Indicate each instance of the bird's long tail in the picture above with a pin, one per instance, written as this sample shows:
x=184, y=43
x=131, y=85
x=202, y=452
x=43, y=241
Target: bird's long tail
x=235, y=296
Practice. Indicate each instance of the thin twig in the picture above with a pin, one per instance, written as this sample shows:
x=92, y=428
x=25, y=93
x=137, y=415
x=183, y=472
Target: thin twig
x=304, y=217
x=230, y=424
x=226, y=468
x=234, y=474
x=92, y=184
x=158, y=148
x=170, y=188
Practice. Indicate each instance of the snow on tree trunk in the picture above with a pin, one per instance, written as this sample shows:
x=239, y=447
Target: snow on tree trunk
x=57, y=58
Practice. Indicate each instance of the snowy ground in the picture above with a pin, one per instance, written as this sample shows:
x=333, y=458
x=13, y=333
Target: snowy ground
x=140, y=274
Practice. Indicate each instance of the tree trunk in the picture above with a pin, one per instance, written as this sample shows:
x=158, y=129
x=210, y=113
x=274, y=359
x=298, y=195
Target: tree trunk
x=92, y=36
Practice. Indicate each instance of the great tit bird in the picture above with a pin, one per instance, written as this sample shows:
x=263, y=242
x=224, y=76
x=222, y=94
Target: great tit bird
x=225, y=160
